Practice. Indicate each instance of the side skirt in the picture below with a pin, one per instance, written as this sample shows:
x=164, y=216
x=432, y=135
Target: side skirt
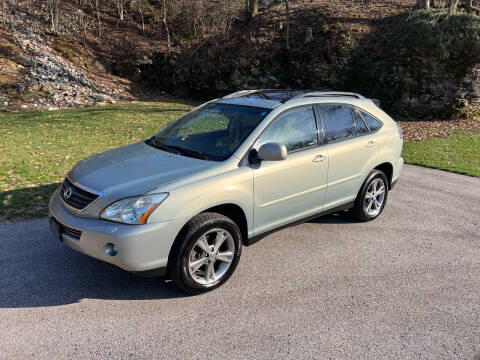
x=259, y=237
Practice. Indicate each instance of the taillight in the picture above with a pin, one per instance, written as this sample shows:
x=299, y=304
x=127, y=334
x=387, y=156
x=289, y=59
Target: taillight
x=400, y=132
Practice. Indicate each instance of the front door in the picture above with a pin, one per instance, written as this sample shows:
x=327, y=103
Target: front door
x=294, y=188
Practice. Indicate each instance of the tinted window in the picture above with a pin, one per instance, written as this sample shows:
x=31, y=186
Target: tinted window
x=373, y=124
x=296, y=128
x=338, y=121
x=360, y=126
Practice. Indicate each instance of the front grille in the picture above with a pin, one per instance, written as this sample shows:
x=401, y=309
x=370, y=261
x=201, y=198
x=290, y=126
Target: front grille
x=72, y=232
x=76, y=197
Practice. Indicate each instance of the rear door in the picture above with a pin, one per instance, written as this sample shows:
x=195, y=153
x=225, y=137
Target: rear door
x=287, y=190
x=352, y=151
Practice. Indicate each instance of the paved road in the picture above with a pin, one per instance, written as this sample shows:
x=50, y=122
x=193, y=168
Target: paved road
x=406, y=286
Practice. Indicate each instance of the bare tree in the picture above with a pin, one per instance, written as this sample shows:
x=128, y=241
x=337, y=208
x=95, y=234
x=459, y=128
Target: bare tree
x=83, y=21
x=141, y=16
x=166, y=25
x=53, y=6
x=253, y=8
x=287, y=15
x=4, y=9
x=468, y=6
x=97, y=8
x=120, y=9
x=452, y=6
x=423, y=4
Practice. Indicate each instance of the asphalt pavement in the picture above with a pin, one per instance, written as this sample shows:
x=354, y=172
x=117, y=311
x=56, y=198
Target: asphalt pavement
x=405, y=286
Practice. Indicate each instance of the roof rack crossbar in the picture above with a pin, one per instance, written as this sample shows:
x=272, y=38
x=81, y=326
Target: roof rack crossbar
x=326, y=94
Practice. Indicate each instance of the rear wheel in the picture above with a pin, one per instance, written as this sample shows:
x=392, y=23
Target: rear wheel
x=206, y=253
x=371, y=198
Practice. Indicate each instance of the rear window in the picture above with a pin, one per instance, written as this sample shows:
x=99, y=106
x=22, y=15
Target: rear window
x=373, y=124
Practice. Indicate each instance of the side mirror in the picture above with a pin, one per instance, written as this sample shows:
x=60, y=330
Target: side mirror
x=272, y=152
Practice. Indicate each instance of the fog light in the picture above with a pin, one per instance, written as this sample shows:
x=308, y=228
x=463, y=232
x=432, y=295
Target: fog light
x=110, y=249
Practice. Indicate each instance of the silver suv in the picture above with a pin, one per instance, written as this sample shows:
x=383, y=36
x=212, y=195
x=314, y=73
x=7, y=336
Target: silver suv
x=228, y=172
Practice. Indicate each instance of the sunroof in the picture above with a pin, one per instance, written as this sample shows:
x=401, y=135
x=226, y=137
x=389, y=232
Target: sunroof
x=275, y=95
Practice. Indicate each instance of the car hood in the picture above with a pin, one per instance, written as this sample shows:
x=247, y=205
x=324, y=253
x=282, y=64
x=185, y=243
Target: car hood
x=136, y=168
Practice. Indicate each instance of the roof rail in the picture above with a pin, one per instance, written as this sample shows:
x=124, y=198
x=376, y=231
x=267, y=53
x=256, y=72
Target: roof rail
x=326, y=94
x=239, y=93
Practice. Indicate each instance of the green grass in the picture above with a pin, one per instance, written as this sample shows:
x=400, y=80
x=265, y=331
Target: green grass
x=37, y=149
x=457, y=153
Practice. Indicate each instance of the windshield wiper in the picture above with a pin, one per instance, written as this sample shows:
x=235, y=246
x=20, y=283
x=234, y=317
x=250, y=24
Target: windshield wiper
x=182, y=150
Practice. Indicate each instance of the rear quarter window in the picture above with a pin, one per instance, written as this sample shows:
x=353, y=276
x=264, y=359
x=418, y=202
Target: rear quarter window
x=372, y=123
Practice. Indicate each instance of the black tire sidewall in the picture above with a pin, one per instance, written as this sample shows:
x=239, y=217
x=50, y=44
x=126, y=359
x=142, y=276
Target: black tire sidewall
x=183, y=277
x=361, y=213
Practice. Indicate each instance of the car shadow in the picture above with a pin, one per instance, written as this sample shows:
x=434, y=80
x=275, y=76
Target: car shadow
x=38, y=270
x=335, y=218
x=49, y=273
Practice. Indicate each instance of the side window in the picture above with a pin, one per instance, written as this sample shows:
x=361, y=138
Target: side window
x=296, y=128
x=338, y=121
x=373, y=124
x=360, y=126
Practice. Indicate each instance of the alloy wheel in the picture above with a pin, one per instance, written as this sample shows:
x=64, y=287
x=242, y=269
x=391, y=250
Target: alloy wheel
x=374, y=197
x=211, y=256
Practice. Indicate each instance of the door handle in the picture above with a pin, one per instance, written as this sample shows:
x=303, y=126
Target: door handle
x=319, y=158
x=370, y=143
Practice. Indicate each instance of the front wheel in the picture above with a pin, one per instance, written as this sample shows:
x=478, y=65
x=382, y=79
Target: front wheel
x=372, y=197
x=206, y=253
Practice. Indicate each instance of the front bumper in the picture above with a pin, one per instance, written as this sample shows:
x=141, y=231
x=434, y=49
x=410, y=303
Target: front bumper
x=140, y=248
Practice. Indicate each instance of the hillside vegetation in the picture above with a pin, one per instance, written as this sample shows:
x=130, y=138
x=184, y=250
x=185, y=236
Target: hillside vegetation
x=419, y=63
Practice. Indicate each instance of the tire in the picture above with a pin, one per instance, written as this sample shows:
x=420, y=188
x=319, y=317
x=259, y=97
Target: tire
x=194, y=269
x=365, y=207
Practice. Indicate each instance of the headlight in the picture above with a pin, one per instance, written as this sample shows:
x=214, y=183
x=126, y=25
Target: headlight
x=135, y=210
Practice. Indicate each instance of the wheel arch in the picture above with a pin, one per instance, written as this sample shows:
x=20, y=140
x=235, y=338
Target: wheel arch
x=230, y=210
x=387, y=169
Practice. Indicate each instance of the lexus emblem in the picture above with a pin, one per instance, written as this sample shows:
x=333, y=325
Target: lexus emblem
x=67, y=193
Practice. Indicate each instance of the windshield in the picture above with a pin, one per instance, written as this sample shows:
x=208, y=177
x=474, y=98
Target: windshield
x=212, y=132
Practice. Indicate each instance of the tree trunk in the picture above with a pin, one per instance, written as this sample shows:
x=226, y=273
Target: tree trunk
x=120, y=9
x=3, y=12
x=53, y=5
x=308, y=35
x=55, y=16
x=143, y=20
x=287, y=15
x=468, y=6
x=253, y=8
x=452, y=6
x=423, y=4
x=166, y=25
x=98, y=18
